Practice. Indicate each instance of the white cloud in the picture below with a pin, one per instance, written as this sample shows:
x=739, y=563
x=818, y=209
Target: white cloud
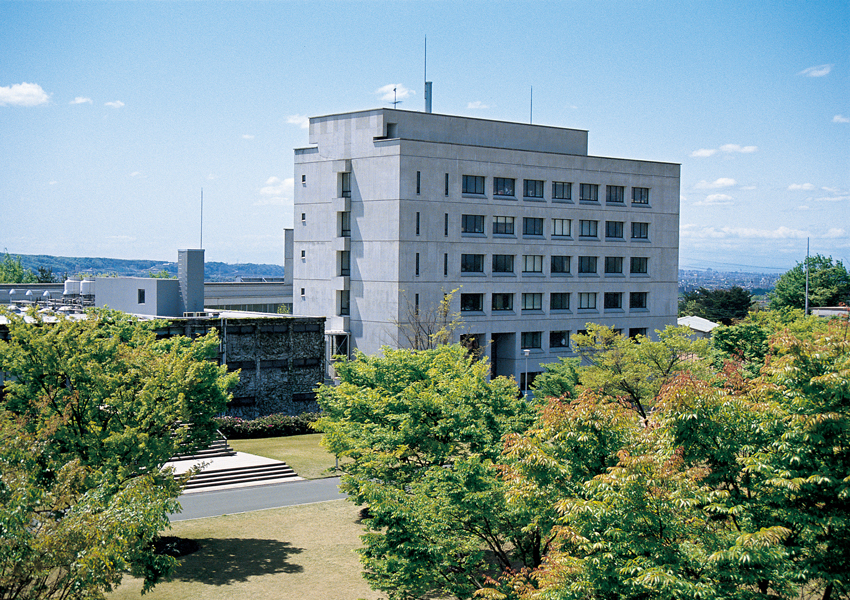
x=804, y=207
x=703, y=152
x=830, y=198
x=737, y=148
x=715, y=200
x=831, y=190
x=801, y=186
x=394, y=91
x=818, y=71
x=840, y=119
x=835, y=232
x=23, y=94
x=247, y=136
x=302, y=121
x=135, y=173
x=477, y=104
x=52, y=182
x=722, y=182
x=276, y=191
x=81, y=100
x=212, y=177
x=779, y=233
x=116, y=104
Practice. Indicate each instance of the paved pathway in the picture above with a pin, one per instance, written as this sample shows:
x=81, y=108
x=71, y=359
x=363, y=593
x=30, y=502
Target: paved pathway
x=260, y=497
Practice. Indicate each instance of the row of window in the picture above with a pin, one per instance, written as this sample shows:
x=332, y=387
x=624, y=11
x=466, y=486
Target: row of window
x=533, y=189
x=533, y=226
x=501, y=302
x=533, y=263
x=531, y=340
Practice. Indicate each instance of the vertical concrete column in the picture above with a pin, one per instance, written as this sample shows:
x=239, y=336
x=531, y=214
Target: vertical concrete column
x=190, y=274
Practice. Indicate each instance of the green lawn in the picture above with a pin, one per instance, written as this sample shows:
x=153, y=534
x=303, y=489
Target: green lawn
x=298, y=552
x=301, y=452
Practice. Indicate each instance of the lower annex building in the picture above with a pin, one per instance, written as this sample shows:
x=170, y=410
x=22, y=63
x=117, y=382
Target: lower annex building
x=395, y=208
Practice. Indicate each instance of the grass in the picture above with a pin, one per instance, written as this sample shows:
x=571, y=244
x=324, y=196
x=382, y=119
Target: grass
x=301, y=452
x=298, y=552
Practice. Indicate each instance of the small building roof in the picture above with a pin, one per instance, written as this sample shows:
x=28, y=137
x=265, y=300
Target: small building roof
x=697, y=323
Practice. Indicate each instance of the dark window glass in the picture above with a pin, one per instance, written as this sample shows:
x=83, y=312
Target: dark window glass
x=588, y=228
x=532, y=188
x=639, y=265
x=472, y=184
x=559, y=339
x=562, y=190
x=345, y=184
x=637, y=300
x=532, y=226
x=613, y=264
x=471, y=263
x=615, y=194
x=640, y=231
x=560, y=264
x=532, y=301
x=587, y=264
x=502, y=186
x=614, y=229
x=640, y=195
x=559, y=301
x=588, y=192
x=613, y=300
x=503, y=301
x=503, y=225
x=503, y=263
x=472, y=223
x=471, y=302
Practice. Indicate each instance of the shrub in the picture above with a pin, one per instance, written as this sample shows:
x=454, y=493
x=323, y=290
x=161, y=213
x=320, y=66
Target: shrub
x=275, y=425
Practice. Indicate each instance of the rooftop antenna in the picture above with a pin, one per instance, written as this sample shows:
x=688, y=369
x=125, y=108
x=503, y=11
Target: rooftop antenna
x=427, y=83
x=531, y=106
x=396, y=101
x=202, y=218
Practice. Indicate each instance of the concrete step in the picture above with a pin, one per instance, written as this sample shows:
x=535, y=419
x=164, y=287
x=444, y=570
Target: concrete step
x=218, y=448
x=241, y=475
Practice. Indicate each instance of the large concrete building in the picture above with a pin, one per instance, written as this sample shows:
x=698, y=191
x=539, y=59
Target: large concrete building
x=394, y=208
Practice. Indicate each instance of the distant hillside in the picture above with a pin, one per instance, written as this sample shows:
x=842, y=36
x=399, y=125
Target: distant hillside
x=213, y=271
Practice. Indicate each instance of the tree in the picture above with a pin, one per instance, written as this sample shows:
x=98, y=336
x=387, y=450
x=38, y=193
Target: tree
x=12, y=271
x=425, y=328
x=558, y=380
x=633, y=371
x=424, y=431
x=721, y=305
x=829, y=284
x=90, y=412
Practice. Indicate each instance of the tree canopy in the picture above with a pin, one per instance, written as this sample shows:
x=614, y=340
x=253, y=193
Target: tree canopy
x=720, y=305
x=12, y=271
x=829, y=284
x=90, y=412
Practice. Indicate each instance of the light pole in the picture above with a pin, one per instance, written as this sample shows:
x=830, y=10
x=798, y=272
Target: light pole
x=526, y=351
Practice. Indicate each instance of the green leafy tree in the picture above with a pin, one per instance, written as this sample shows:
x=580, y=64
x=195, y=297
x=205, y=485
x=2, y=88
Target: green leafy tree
x=829, y=284
x=425, y=433
x=721, y=305
x=558, y=380
x=633, y=371
x=12, y=271
x=90, y=412
x=163, y=274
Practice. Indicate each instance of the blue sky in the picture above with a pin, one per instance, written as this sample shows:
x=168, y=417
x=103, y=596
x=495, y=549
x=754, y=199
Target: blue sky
x=113, y=116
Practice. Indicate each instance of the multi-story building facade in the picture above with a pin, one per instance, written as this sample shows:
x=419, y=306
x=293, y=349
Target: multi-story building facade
x=395, y=208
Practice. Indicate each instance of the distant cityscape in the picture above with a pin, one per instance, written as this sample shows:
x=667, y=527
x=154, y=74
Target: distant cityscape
x=758, y=284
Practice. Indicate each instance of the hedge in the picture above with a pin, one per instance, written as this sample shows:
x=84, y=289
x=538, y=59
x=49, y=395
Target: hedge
x=276, y=425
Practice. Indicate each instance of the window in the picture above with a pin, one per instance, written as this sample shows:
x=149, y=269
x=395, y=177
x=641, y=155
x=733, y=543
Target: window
x=503, y=263
x=613, y=300
x=472, y=223
x=446, y=225
x=562, y=191
x=639, y=265
x=532, y=226
x=345, y=263
x=588, y=192
x=503, y=302
x=471, y=263
x=344, y=303
x=532, y=263
x=531, y=340
x=503, y=225
x=418, y=181
x=416, y=303
x=637, y=300
x=615, y=194
x=303, y=254
x=303, y=179
x=587, y=264
x=636, y=331
x=614, y=265
x=141, y=296
x=532, y=301
x=303, y=217
x=559, y=301
x=562, y=227
x=559, y=339
x=472, y=184
x=588, y=228
x=640, y=231
x=303, y=292
x=471, y=302
x=447, y=185
x=560, y=264
x=502, y=186
x=345, y=185
x=445, y=265
x=614, y=229
x=587, y=300
x=417, y=264
x=532, y=188
x=640, y=195
x=417, y=223
x=345, y=224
